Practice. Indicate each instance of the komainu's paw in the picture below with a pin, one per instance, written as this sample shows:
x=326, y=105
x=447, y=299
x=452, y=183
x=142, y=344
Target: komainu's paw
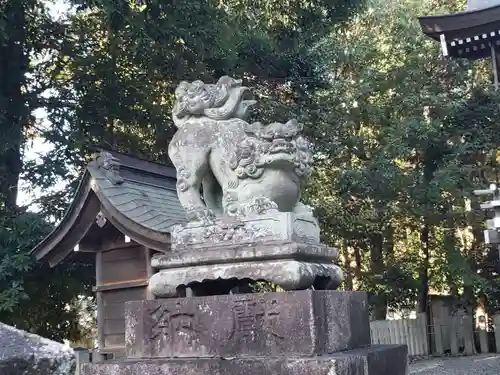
x=200, y=214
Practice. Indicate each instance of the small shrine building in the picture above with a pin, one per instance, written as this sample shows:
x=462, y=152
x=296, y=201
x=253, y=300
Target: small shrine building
x=121, y=215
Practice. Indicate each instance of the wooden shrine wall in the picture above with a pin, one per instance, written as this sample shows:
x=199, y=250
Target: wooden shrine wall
x=122, y=273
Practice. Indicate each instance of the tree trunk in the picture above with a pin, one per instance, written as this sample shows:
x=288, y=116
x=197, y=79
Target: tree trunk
x=14, y=115
x=424, y=277
x=377, y=260
x=111, y=88
x=424, y=270
x=357, y=259
x=347, y=266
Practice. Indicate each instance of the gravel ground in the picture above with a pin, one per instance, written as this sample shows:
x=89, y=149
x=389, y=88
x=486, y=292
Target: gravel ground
x=478, y=365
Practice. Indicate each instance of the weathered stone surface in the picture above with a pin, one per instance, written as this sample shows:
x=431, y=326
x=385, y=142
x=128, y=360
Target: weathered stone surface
x=229, y=231
x=481, y=4
x=303, y=323
x=23, y=353
x=291, y=265
x=252, y=176
x=244, y=168
x=376, y=360
x=288, y=274
x=257, y=252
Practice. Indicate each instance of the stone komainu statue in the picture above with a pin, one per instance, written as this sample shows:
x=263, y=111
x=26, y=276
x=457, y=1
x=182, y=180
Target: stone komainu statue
x=227, y=166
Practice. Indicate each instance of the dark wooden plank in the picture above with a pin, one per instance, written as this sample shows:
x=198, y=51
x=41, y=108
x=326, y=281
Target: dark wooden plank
x=117, y=245
x=124, y=270
x=150, y=270
x=142, y=166
x=45, y=249
x=123, y=253
x=85, y=247
x=77, y=231
x=114, y=326
x=114, y=311
x=98, y=268
x=112, y=238
x=100, y=302
x=114, y=340
x=121, y=285
x=113, y=301
x=123, y=295
x=148, y=254
x=109, y=354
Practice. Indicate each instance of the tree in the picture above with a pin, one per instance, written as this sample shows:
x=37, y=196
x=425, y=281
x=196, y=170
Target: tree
x=396, y=155
x=19, y=21
x=32, y=296
x=105, y=76
x=113, y=83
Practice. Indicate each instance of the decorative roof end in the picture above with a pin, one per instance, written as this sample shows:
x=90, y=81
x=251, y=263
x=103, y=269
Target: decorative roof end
x=109, y=165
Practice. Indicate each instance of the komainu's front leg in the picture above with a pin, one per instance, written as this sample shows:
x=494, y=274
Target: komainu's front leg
x=191, y=165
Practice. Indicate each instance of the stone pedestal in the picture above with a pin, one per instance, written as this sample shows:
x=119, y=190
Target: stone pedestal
x=375, y=360
x=288, y=333
x=282, y=248
x=303, y=323
x=291, y=265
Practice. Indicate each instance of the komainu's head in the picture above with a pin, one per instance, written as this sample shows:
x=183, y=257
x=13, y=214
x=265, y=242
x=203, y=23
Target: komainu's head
x=221, y=101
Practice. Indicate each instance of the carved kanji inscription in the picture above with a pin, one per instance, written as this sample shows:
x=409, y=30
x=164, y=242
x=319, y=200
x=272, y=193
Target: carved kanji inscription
x=169, y=323
x=251, y=316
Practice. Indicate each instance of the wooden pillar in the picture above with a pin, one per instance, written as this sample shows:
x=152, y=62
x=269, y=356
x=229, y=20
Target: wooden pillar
x=150, y=271
x=496, y=323
x=495, y=63
x=100, y=306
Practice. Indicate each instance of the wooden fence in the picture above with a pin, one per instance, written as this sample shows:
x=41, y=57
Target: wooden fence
x=411, y=332
x=453, y=335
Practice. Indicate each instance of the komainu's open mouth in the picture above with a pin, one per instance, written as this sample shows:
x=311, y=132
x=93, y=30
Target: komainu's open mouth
x=281, y=145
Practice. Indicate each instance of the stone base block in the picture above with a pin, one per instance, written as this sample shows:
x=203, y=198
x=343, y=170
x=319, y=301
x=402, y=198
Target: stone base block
x=257, y=252
x=291, y=265
x=288, y=274
x=270, y=226
x=302, y=323
x=375, y=360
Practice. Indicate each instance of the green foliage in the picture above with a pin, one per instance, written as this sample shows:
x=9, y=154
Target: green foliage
x=402, y=135
x=115, y=71
x=34, y=296
x=403, y=139
x=105, y=76
x=18, y=235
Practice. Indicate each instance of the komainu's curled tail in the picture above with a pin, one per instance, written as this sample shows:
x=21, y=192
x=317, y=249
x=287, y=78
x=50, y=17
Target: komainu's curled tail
x=221, y=101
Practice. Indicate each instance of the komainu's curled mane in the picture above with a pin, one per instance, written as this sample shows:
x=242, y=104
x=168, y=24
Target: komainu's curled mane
x=221, y=101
